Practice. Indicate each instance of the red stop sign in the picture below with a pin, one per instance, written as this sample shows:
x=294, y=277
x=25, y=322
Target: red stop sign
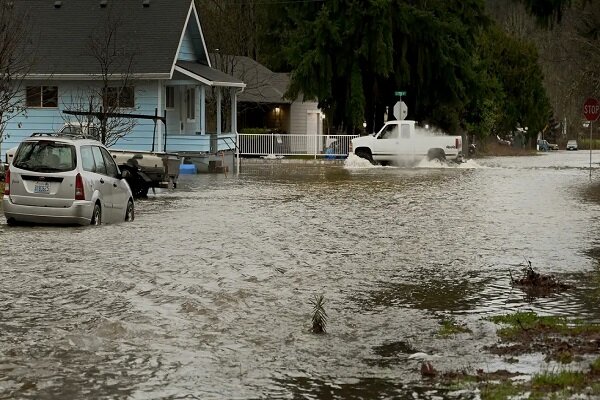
x=591, y=109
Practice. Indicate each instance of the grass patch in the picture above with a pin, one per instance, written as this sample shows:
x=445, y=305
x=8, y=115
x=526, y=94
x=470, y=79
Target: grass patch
x=559, y=338
x=529, y=321
x=595, y=367
x=550, y=382
x=532, y=323
x=500, y=391
x=547, y=385
x=450, y=327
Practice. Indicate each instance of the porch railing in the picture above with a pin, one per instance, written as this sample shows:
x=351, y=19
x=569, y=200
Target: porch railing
x=290, y=145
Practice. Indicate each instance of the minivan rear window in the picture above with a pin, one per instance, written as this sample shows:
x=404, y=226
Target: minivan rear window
x=45, y=156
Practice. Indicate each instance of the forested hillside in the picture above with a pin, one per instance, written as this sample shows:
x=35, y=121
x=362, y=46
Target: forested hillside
x=477, y=67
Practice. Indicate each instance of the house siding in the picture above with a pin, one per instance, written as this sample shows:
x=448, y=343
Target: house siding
x=52, y=119
x=298, y=111
x=189, y=50
x=140, y=138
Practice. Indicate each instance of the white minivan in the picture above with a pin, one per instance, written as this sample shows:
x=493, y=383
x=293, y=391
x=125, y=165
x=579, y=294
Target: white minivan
x=64, y=179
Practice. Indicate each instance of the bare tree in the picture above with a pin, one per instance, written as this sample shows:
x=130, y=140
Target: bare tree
x=569, y=53
x=111, y=101
x=230, y=30
x=230, y=26
x=15, y=62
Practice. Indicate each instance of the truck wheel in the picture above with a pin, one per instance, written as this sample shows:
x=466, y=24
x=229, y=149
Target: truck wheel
x=436, y=154
x=366, y=154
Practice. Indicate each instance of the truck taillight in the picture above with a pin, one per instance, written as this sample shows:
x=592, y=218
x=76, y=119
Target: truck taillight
x=350, y=148
x=79, y=193
x=7, y=182
x=457, y=143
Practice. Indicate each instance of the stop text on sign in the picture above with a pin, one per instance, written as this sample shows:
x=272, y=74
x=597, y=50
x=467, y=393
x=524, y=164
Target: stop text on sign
x=591, y=109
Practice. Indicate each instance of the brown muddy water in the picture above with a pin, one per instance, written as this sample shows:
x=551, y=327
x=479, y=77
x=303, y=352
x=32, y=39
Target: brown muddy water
x=207, y=293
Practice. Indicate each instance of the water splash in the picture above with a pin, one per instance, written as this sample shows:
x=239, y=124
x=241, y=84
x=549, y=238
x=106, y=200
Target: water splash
x=468, y=164
x=355, y=162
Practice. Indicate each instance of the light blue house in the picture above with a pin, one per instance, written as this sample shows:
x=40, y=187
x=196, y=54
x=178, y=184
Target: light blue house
x=160, y=65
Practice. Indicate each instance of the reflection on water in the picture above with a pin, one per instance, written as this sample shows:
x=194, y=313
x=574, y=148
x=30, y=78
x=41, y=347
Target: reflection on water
x=206, y=294
x=432, y=293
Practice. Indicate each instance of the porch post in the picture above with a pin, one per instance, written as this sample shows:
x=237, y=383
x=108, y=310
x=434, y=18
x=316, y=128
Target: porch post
x=234, y=130
x=233, y=92
x=159, y=105
x=202, y=110
x=219, y=100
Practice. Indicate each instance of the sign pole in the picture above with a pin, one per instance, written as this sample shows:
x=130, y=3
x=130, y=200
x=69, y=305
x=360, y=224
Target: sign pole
x=591, y=111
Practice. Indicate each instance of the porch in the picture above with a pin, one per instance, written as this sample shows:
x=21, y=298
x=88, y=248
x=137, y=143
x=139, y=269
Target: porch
x=200, y=106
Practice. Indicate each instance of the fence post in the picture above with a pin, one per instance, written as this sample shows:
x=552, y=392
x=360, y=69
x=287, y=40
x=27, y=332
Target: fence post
x=272, y=144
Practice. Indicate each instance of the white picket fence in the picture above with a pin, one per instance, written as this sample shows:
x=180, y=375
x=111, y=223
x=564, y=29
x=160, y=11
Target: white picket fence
x=328, y=146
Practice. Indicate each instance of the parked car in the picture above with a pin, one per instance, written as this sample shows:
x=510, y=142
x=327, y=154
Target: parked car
x=543, y=145
x=64, y=179
x=552, y=146
x=572, y=145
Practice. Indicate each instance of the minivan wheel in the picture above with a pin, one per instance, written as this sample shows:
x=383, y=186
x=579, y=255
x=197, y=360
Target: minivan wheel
x=97, y=215
x=130, y=212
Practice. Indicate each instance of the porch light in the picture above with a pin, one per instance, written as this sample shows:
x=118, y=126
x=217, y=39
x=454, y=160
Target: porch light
x=277, y=110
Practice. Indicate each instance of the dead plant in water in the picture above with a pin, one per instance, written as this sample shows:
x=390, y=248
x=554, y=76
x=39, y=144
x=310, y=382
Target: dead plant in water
x=532, y=280
x=319, y=316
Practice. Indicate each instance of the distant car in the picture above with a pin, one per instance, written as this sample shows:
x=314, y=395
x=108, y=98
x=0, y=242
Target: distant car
x=572, y=145
x=552, y=146
x=63, y=179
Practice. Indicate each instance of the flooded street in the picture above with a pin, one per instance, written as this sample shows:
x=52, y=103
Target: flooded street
x=207, y=293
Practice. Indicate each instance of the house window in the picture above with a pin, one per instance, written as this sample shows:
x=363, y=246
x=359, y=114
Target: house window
x=170, y=97
x=42, y=96
x=191, y=104
x=119, y=97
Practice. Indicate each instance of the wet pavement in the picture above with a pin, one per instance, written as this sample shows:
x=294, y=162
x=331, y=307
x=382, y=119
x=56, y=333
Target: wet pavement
x=207, y=293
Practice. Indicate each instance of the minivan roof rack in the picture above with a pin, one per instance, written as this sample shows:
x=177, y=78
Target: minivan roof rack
x=65, y=135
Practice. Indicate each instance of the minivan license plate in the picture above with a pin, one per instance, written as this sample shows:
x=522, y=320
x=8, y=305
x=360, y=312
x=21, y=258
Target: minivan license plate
x=41, y=187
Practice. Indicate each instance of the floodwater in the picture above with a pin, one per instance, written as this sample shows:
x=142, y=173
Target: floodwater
x=207, y=293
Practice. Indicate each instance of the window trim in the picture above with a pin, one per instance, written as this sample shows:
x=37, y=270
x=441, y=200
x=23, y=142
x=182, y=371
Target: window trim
x=119, y=89
x=41, y=101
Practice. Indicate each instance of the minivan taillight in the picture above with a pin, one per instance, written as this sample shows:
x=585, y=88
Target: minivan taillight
x=79, y=193
x=7, y=182
x=457, y=143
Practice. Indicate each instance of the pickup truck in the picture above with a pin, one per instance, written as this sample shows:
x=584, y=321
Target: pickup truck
x=398, y=142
